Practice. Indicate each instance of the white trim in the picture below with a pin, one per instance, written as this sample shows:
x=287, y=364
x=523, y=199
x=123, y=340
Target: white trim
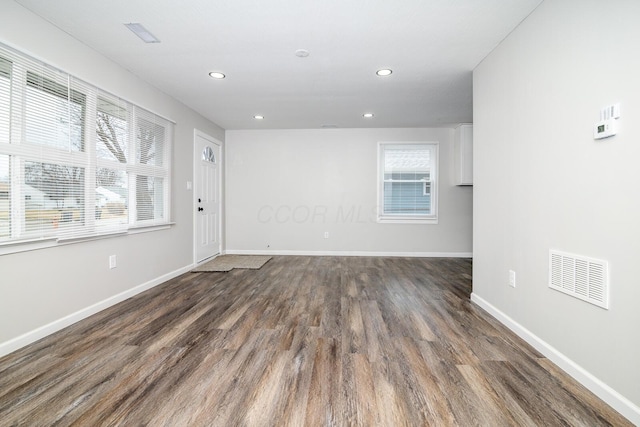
x=584, y=377
x=146, y=228
x=9, y=247
x=17, y=246
x=48, y=329
x=406, y=220
x=352, y=253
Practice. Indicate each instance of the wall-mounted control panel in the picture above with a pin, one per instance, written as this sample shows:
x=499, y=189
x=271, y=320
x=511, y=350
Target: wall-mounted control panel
x=607, y=126
x=604, y=129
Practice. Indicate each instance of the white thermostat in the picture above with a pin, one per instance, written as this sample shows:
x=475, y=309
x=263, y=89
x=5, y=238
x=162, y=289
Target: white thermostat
x=604, y=129
x=607, y=126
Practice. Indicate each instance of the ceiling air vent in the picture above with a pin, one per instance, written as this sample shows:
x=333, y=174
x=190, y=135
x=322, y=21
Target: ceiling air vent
x=579, y=276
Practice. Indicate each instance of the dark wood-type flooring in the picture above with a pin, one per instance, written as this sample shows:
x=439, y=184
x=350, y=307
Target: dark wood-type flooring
x=304, y=341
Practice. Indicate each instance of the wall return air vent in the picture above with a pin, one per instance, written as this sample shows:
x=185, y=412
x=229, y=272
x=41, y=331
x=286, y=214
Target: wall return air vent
x=581, y=277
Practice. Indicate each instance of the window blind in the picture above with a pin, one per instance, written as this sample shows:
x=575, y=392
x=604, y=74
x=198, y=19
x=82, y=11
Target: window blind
x=5, y=183
x=407, y=174
x=74, y=160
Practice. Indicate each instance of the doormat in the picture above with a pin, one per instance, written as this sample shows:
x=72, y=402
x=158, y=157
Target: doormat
x=226, y=263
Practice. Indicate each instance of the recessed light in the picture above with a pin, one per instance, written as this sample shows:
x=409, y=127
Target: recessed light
x=258, y=117
x=142, y=32
x=302, y=53
x=367, y=115
x=384, y=72
x=216, y=75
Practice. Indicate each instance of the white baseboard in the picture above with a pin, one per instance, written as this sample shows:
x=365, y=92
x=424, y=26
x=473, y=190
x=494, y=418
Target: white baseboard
x=351, y=253
x=48, y=329
x=617, y=401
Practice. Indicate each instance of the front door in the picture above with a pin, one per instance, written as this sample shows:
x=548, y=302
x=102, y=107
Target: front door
x=206, y=193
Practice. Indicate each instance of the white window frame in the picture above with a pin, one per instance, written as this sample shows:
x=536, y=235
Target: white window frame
x=21, y=151
x=431, y=218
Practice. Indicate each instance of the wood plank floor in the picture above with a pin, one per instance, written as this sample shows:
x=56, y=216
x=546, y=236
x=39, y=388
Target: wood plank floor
x=304, y=341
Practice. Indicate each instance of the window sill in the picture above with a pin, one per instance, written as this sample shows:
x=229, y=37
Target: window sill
x=12, y=247
x=27, y=245
x=406, y=220
x=148, y=228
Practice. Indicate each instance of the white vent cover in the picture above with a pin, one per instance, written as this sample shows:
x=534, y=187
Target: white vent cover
x=579, y=276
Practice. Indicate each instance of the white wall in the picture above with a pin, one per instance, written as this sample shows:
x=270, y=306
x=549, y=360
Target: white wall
x=285, y=188
x=39, y=288
x=542, y=181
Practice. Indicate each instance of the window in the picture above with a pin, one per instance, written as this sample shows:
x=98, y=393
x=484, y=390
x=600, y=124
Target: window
x=112, y=151
x=150, y=148
x=407, y=182
x=112, y=198
x=208, y=155
x=53, y=199
x=75, y=161
x=54, y=113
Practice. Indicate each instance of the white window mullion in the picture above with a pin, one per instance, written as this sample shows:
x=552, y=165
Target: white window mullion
x=133, y=208
x=168, y=153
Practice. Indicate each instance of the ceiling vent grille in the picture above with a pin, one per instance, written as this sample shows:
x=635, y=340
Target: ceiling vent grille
x=579, y=276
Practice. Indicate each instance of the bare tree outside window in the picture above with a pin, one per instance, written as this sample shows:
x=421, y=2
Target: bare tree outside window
x=110, y=135
x=112, y=194
x=112, y=128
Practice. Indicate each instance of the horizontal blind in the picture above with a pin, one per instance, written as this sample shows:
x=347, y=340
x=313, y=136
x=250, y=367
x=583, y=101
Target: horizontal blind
x=5, y=171
x=5, y=98
x=68, y=167
x=150, y=174
x=112, y=146
x=54, y=165
x=406, y=180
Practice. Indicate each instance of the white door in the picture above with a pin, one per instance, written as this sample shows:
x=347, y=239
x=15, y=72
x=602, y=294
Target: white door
x=206, y=192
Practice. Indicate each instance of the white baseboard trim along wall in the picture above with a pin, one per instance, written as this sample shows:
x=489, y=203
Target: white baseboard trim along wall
x=351, y=253
x=595, y=385
x=48, y=329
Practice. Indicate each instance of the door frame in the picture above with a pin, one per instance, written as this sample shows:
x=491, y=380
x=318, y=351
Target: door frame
x=197, y=133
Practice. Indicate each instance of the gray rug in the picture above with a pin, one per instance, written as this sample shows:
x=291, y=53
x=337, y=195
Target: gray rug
x=225, y=263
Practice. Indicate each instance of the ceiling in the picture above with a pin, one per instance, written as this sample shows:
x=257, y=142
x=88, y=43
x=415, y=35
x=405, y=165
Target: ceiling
x=432, y=46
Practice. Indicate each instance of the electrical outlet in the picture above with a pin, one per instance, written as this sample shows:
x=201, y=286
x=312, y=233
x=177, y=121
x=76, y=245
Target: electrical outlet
x=112, y=261
x=326, y=234
x=512, y=278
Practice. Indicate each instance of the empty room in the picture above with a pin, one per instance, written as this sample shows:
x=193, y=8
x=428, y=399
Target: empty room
x=319, y=213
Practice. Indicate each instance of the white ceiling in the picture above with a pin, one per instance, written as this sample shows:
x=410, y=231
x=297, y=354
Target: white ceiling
x=431, y=45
